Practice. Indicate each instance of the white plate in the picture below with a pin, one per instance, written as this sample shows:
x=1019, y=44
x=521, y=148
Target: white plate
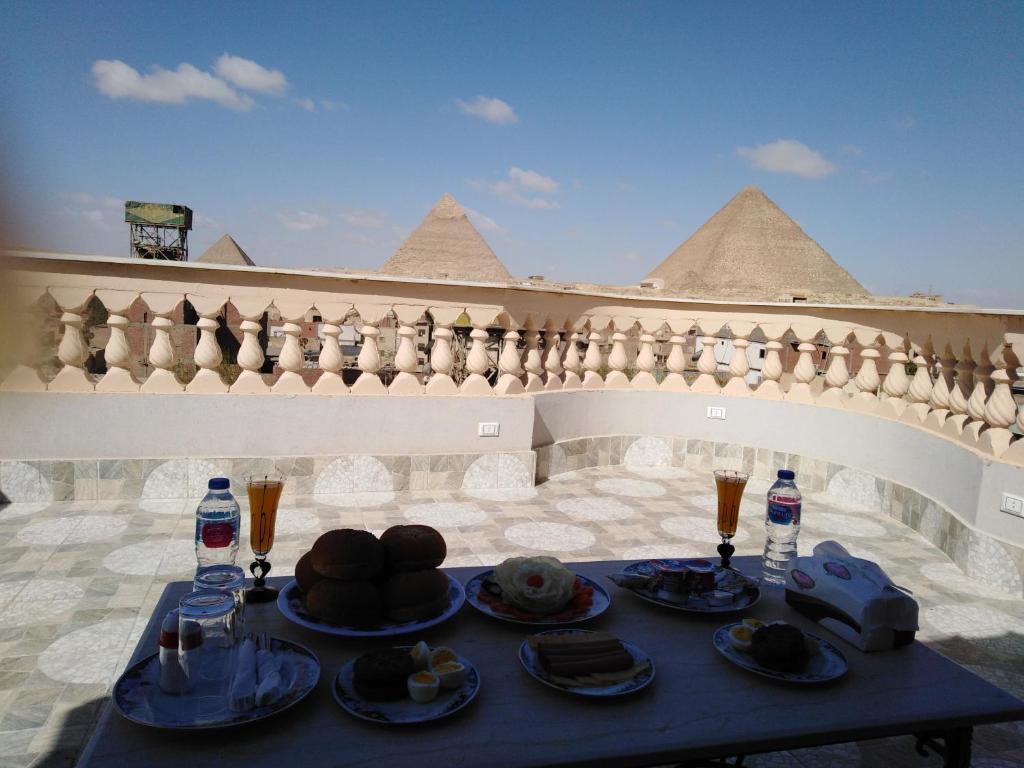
x=292, y=606
x=695, y=603
x=404, y=711
x=531, y=663
x=826, y=663
x=601, y=602
x=137, y=695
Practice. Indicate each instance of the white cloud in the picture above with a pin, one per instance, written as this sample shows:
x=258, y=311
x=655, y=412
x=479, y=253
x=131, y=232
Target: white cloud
x=329, y=105
x=510, y=193
x=307, y=104
x=117, y=80
x=483, y=222
x=364, y=219
x=492, y=110
x=102, y=212
x=302, y=220
x=788, y=156
x=631, y=256
x=851, y=149
x=533, y=180
x=906, y=123
x=250, y=76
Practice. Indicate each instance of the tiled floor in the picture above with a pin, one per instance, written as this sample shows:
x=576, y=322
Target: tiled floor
x=80, y=580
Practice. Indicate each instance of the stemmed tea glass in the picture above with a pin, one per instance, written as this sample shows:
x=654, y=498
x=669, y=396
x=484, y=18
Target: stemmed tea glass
x=264, y=496
x=730, y=484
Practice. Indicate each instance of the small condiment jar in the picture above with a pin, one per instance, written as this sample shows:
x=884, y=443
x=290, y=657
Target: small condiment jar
x=172, y=677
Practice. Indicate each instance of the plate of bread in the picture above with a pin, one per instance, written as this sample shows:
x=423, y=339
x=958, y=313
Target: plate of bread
x=586, y=663
x=354, y=584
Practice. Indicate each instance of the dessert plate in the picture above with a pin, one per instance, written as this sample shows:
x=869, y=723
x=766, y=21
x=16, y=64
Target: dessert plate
x=404, y=711
x=290, y=603
x=530, y=661
x=746, y=590
x=825, y=663
x=137, y=695
x=600, y=604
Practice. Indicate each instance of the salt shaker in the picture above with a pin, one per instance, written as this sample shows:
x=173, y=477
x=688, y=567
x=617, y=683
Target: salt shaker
x=172, y=676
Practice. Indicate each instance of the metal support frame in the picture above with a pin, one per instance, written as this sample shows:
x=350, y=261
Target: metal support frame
x=954, y=749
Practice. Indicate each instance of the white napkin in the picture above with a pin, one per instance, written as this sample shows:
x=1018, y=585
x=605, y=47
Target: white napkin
x=243, y=688
x=270, y=685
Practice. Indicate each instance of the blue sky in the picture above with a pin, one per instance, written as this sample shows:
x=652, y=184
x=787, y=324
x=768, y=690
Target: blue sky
x=589, y=139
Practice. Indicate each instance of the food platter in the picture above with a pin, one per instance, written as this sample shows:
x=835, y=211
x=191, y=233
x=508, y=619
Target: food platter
x=601, y=601
x=826, y=662
x=405, y=711
x=290, y=603
x=137, y=695
x=746, y=589
x=531, y=663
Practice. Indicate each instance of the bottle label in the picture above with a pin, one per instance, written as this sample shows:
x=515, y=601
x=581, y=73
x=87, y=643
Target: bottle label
x=216, y=535
x=784, y=512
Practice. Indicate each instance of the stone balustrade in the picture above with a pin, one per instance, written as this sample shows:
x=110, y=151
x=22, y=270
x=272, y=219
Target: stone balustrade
x=849, y=357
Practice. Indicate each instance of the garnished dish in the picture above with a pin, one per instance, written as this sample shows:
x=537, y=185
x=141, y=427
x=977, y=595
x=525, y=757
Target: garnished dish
x=273, y=675
x=586, y=663
x=351, y=583
x=406, y=684
x=536, y=590
x=696, y=585
x=780, y=651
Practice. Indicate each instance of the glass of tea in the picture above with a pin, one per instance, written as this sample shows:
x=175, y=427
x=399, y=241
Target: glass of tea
x=264, y=497
x=730, y=484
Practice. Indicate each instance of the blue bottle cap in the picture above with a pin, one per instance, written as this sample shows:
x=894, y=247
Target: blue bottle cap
x=787, y=474
x=218, y=484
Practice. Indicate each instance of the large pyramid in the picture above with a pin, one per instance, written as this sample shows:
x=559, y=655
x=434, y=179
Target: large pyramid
x=226, y=251
x=751, y=249
x=446, y=246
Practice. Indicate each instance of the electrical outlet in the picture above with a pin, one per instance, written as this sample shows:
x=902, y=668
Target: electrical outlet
x=716, y=412
x=488, y=429
x=1012, y=505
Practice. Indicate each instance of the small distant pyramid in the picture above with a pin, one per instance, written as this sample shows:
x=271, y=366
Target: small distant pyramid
x=226, y=251
x=446, y=246
x=752, y=249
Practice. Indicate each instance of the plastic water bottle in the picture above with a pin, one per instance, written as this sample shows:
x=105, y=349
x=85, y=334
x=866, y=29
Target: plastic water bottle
x=782, y=522
x=218, y=521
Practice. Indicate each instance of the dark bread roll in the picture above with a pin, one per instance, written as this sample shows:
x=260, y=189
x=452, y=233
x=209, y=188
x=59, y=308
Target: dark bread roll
x=413, y=547
x=779, y=646
x=305, y=574
x=382, y=675
x=347, y=554
x=415, y=595
x=346, y=603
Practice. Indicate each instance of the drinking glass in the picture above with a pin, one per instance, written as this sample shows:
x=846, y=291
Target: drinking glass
x=207, y=641
x=264, y=495
x=225, y=578
x=730, y=484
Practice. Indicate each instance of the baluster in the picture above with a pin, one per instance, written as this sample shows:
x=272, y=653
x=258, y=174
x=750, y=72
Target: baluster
x=25, y=376
x=509, y=362
x=867, y=380
x=117, y=354
x=73, y=351
x=409, y=380
x=977, y=401
x=739, y=366
x=291, y=358
x=675, y=362
x=331, y=361
x=645, y=361
x=208, y=356
x=707, y=364
x=805, y=371
x=593, y=360
x=920, y=392
x=618, y=360
x=571, y=361
x=954, y=425
x=942, y=390
x=771, y=368
x=552, y=358
x=161, y=378
x=369, y=383
x=441, y=359
x=477, y=362
x=532, y=363
x=896, y=384
x=1015, y=453
x=250, y=354
x=837, y=376
x=1000, y=410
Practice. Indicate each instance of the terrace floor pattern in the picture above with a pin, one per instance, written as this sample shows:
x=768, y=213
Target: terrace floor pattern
x=80, y=579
